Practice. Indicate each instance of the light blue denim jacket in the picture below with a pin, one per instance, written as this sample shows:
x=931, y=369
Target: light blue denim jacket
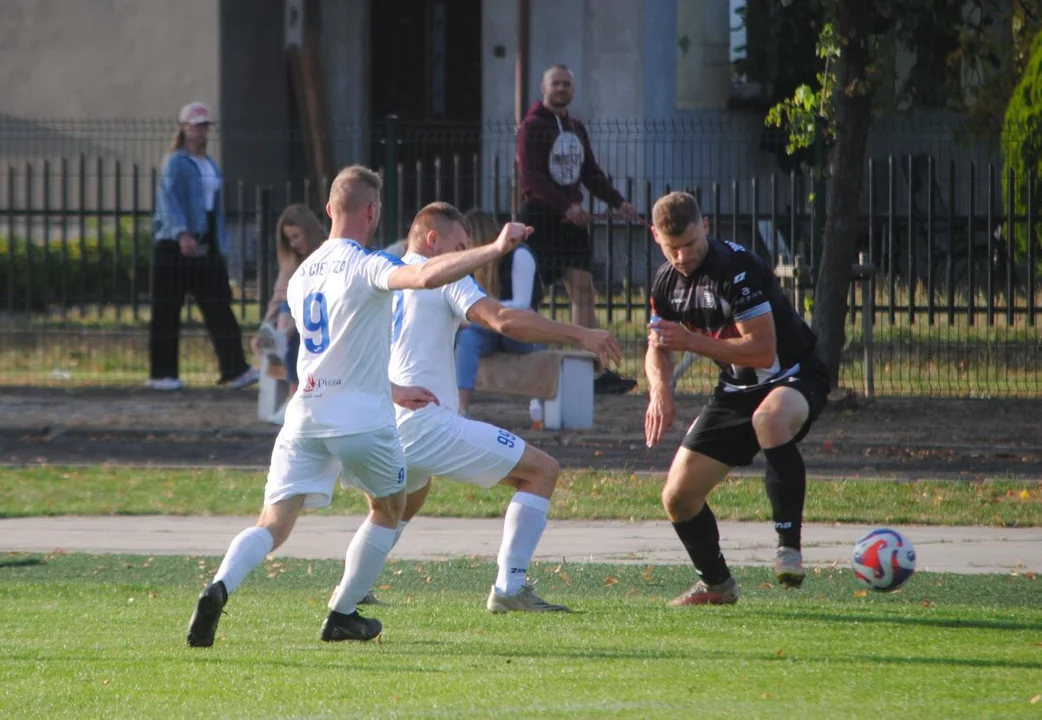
x=180, y=206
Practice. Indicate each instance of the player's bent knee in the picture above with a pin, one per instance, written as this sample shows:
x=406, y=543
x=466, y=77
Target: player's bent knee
x=550, y=468
x=414, y=501
x=691, y=478
x=777, y=426
x=280, y=517
x=681, y=505
x=279, y=532
x=536, y=472
x=387, y=511
x=780, y=416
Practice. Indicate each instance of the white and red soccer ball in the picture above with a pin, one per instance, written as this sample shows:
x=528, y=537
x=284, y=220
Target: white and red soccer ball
x=884, y=559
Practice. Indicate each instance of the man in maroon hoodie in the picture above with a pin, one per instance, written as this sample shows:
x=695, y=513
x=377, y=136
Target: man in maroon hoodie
x=554, y=156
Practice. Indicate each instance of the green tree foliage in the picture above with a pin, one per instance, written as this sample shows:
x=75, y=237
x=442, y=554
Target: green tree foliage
x=1022, y=143
x=963, y=52
x=35, y=278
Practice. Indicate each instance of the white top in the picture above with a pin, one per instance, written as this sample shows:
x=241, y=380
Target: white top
x=211, y=183
x=342, y=309
x=566, y=156
x=422, y=348
x=522, y=279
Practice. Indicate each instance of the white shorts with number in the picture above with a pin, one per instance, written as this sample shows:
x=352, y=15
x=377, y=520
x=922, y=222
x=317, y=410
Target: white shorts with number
x=372, y=462
x=439, y=443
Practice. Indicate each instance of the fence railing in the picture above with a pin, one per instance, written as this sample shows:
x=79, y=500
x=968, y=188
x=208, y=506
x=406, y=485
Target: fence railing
x=955, y=244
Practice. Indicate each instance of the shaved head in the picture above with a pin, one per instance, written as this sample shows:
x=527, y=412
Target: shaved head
x=354, y=204
x=354, y=188
x=438, y=216
x=447, y=224
x=557, y=69
x=558, y=88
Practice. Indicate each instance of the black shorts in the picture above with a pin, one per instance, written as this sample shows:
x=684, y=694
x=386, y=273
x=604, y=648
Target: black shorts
x=724, y=428
x=556, y=244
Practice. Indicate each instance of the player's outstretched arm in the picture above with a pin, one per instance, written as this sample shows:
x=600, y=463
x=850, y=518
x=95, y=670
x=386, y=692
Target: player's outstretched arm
x=412, y=397
x=755, y=346
x=658, y=367
x=450, y=267
x=528, y=326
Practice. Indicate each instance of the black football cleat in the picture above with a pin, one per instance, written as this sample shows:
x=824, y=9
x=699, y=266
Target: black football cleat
x=338, y=627
x=203, y=626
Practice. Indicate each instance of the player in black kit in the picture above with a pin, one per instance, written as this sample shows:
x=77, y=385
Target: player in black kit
x=716, y=300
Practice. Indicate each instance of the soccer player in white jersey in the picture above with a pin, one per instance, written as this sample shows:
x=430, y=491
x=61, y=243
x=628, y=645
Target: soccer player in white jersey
x=341, y=422
x=437, y=440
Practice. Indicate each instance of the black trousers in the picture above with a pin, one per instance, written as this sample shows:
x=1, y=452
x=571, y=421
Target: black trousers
x=556, y=244
x=206, y=278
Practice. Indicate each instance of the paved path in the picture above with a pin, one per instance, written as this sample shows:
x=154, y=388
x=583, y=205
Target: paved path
x=940, y=549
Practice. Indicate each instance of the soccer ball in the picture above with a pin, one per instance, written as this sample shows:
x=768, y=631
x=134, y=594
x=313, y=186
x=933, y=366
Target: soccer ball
x=884, y=559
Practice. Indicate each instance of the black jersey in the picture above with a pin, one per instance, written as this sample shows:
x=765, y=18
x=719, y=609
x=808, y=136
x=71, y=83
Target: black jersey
x=732, y=286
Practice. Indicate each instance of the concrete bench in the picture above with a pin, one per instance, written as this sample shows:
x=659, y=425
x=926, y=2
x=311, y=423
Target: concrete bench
x=561, y=379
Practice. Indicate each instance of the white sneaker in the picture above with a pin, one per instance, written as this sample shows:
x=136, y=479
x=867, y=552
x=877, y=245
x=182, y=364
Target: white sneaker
x=525, y=600
x=166, y=384
x=248, y=378
x=788, y=567
x=725, y=593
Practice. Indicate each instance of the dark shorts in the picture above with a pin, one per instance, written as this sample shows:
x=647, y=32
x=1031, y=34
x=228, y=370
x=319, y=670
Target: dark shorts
x=724, y=428
x=556, y=244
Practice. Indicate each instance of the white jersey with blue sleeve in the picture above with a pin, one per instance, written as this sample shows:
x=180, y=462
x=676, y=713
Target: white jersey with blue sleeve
x=422, y=350
x=342, y=309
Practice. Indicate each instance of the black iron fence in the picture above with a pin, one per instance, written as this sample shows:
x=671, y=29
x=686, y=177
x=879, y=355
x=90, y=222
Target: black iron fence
x=953, y=236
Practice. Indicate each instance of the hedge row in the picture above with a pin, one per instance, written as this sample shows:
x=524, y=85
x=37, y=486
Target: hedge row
x=92, y=272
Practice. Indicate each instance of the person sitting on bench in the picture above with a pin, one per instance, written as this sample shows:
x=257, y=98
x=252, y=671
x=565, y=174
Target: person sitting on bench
x=298, y=233
x=513, y=281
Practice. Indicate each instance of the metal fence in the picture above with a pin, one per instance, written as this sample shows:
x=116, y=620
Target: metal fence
x=952, y=234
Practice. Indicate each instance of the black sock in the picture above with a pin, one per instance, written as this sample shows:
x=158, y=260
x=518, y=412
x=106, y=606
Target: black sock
x=701, y=538
x=786, y=483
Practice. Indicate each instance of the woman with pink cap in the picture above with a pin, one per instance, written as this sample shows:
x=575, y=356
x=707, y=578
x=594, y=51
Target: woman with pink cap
x=188, y=257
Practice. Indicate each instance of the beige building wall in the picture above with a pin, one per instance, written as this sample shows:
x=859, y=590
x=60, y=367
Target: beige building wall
x=602, y=41
x=102, y=59
x=703, y=55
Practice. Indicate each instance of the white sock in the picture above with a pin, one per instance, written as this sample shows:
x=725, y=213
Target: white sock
x=522, y=528
x=247, y=551
x=399, y=531
x=366, y=556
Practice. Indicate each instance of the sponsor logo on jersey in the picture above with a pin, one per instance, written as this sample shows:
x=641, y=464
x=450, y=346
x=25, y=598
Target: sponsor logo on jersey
x=311, y=383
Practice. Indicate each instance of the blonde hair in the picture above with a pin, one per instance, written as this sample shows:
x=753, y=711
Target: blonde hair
x=482, y=229
x=300, y=217
x=434, y=216
x=178, y=140
x=353, y=188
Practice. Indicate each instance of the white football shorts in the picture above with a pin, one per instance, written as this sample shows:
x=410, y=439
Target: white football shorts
x=439, y=443
x=372, y=462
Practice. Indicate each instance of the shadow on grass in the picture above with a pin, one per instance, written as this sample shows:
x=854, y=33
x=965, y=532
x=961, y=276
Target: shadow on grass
x=20, y=562
x=436, y=649
x=230, y=657
x=955, y=623
x=950, y=662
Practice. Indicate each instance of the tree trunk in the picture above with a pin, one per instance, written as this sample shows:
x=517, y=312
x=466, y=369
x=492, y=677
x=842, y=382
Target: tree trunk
x=852, y=104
